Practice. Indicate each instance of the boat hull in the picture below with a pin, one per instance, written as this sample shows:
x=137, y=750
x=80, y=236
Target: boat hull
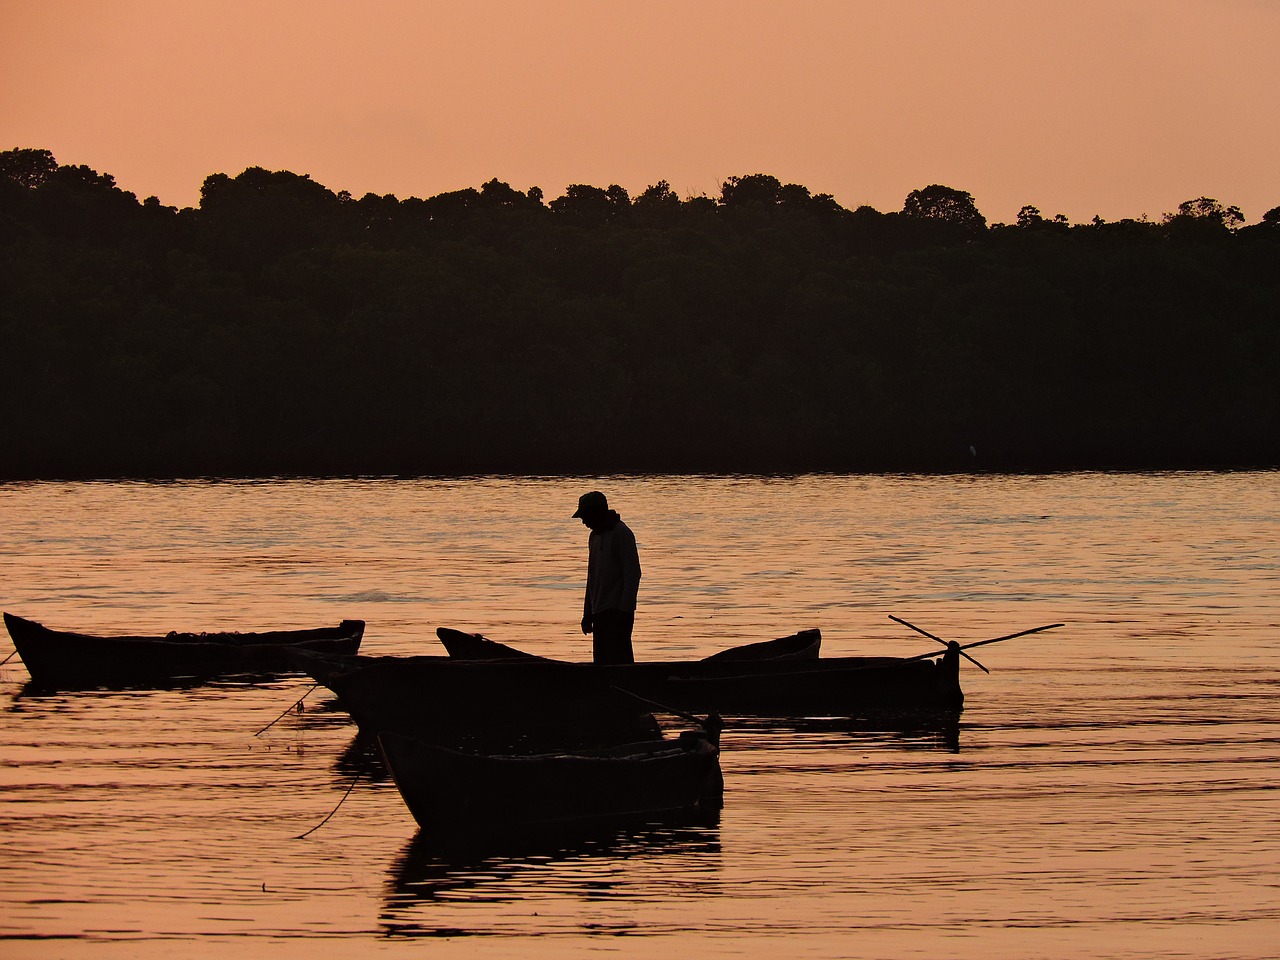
x=63, y=659
x=446, y=789
x=426, y=696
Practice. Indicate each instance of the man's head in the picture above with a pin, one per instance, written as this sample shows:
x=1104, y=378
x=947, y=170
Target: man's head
x=591, y=507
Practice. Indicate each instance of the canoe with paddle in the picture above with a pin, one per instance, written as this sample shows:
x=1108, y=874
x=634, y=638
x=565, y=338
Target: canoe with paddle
x=782, y=677
x=448, y=790
x=506, y=691
x=64, y=659
x=423, y=695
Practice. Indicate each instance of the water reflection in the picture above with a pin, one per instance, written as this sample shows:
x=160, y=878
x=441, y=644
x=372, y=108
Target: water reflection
x=33, y=691
x=621, y=860
x=1115, y=795
x=906, y=731
x=361, y=758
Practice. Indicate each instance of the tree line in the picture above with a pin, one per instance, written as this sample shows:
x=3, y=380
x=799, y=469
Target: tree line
x=280, y=327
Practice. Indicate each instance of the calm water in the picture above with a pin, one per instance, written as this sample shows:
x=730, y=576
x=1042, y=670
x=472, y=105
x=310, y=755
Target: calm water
x=1113, y=792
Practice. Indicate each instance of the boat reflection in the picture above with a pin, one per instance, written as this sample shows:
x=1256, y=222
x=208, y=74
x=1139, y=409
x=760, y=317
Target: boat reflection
x=917, y=731
x=36, y=689
x=906, y=731
x=505, y=866
x=361, y=758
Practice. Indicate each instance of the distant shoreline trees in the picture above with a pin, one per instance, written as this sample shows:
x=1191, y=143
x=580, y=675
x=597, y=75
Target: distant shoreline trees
x=282, y=328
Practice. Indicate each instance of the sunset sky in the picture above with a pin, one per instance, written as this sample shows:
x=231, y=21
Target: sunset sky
x=1119, y=108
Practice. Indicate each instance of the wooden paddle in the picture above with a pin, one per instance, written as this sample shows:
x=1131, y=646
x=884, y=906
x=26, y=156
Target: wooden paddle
x=940, y=640
x=982, y=643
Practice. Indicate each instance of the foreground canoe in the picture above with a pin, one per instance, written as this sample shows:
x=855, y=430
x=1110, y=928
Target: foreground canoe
x=57, y=658
x=448, y=789
x=420, y=696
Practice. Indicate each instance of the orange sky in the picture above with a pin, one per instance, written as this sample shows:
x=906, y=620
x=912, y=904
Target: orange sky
x=1113, y=107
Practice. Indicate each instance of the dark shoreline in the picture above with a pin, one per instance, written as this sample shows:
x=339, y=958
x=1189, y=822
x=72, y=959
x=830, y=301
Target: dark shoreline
x=197, y=477
x=284, y=329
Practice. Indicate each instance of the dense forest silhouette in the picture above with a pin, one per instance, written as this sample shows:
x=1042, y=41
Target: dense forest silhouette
x=282, y=328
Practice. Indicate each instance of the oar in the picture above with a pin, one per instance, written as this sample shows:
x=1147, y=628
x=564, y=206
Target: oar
x=982, y=643
x=940, y=640
x=296, y=705
x=1010, y=636
x=8, y=658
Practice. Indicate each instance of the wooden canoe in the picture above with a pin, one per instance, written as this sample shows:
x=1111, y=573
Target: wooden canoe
x=804, y=645
x=62, y=659
x=419, y=696
x=448, y=789
x=408, y=695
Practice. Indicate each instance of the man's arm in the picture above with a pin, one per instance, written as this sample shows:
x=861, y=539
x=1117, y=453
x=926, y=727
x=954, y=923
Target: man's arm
x=586, y=601
x=630, y=570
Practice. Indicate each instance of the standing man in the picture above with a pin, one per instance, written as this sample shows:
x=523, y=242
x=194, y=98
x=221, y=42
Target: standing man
x=613, y=580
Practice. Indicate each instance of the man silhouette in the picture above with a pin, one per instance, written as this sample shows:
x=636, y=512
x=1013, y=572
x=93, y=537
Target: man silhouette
x=613, y=580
